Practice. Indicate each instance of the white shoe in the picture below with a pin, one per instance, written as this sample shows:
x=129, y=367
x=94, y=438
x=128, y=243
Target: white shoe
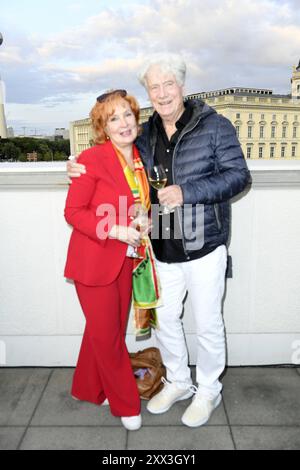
x=132, y=423
x=200, y=410
x=169, y=395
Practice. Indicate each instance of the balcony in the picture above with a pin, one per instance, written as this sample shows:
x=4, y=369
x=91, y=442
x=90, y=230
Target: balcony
x=41, y=322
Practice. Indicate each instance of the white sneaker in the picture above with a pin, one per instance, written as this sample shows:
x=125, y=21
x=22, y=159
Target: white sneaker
x=169, y=395
x=132, y=423
x=200, y=410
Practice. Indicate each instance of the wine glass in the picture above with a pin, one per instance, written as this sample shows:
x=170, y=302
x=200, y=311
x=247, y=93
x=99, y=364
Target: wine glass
x=141, y=218
x=158, y=179
x=141, y=223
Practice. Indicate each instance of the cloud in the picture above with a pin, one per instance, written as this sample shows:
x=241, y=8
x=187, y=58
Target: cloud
x=230, y=25
x=11, y=54
x=225, y=43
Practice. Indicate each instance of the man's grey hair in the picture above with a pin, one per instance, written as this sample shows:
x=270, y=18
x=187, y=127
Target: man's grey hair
x=167, y=62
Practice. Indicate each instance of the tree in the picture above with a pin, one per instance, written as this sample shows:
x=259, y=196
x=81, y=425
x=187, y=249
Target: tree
x=44, y=152
x=18, y=147
x=59, y=156
x=25, y=144
x=62, y=146
x=10, y=152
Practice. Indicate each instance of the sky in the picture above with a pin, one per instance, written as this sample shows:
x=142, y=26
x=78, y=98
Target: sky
x=58, y=55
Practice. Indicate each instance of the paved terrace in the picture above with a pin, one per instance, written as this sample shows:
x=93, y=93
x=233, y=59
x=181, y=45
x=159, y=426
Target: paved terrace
x=260, y=410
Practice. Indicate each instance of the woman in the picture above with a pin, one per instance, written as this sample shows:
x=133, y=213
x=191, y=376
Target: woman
x=99, y=259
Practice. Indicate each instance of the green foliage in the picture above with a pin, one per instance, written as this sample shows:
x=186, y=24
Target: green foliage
x=23, y=158
x=9, y=151
x=16, y=149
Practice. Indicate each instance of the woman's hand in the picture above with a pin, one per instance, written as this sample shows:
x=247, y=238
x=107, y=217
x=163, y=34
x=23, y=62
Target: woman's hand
x=74, y=169
x=143, y=225
x=141, y=220
x=128, y=235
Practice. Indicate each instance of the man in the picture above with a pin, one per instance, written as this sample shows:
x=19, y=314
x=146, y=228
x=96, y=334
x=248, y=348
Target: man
x=205, y=168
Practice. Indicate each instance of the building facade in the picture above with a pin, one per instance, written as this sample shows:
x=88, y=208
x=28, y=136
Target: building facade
x=267, y=124
x=32, y=157
x=10, y=132
x=61, y=133
x=81, y=136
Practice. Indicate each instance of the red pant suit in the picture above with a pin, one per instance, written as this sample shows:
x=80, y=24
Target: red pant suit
x=103, y=279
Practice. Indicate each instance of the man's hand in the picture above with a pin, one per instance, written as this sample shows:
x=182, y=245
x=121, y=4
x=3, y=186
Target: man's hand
x=74, y=169
x=171, y=196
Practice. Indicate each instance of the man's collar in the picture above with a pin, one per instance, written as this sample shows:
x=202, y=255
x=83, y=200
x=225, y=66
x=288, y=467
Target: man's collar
x=182, y=121
x=185, y=117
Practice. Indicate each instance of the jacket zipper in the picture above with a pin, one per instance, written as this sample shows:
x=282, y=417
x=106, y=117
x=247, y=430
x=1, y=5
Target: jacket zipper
x=217, y=215
x=174, y=182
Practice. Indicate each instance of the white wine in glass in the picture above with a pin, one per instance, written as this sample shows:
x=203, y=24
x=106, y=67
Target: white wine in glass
x=158, y=179
x=158, y=184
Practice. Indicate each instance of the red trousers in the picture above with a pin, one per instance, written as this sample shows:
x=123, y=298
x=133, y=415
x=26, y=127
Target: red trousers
x=103, y=369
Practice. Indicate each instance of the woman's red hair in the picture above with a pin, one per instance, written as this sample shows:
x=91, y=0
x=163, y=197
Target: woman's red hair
x=101, y=112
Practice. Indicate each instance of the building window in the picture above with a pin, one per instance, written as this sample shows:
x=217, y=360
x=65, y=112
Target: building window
x=282, y=152
x=249, y=132
x=261, y=132
x=262, y=117
x=249, y=152
x=284, y=132
x=237, y=129
x=260, y=152
x=296, y=118
x=250, y=116
x=274, y=117
x=293, y=150
x=272, y=151
x=238, y=116
x=294, y=132
x=273, y=132
x=285, y=117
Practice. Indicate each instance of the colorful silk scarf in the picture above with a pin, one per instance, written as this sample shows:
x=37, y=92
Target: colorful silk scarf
x=146, y=289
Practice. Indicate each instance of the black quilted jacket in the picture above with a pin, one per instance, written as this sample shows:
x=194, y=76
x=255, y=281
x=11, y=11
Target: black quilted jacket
x=210, y=168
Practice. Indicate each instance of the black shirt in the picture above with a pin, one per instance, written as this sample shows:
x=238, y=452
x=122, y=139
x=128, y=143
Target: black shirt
x=168, y=247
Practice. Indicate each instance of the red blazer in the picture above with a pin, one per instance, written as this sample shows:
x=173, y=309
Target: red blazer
x=91, y=260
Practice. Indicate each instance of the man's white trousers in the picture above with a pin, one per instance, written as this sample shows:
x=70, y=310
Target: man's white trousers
x=204, y=279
